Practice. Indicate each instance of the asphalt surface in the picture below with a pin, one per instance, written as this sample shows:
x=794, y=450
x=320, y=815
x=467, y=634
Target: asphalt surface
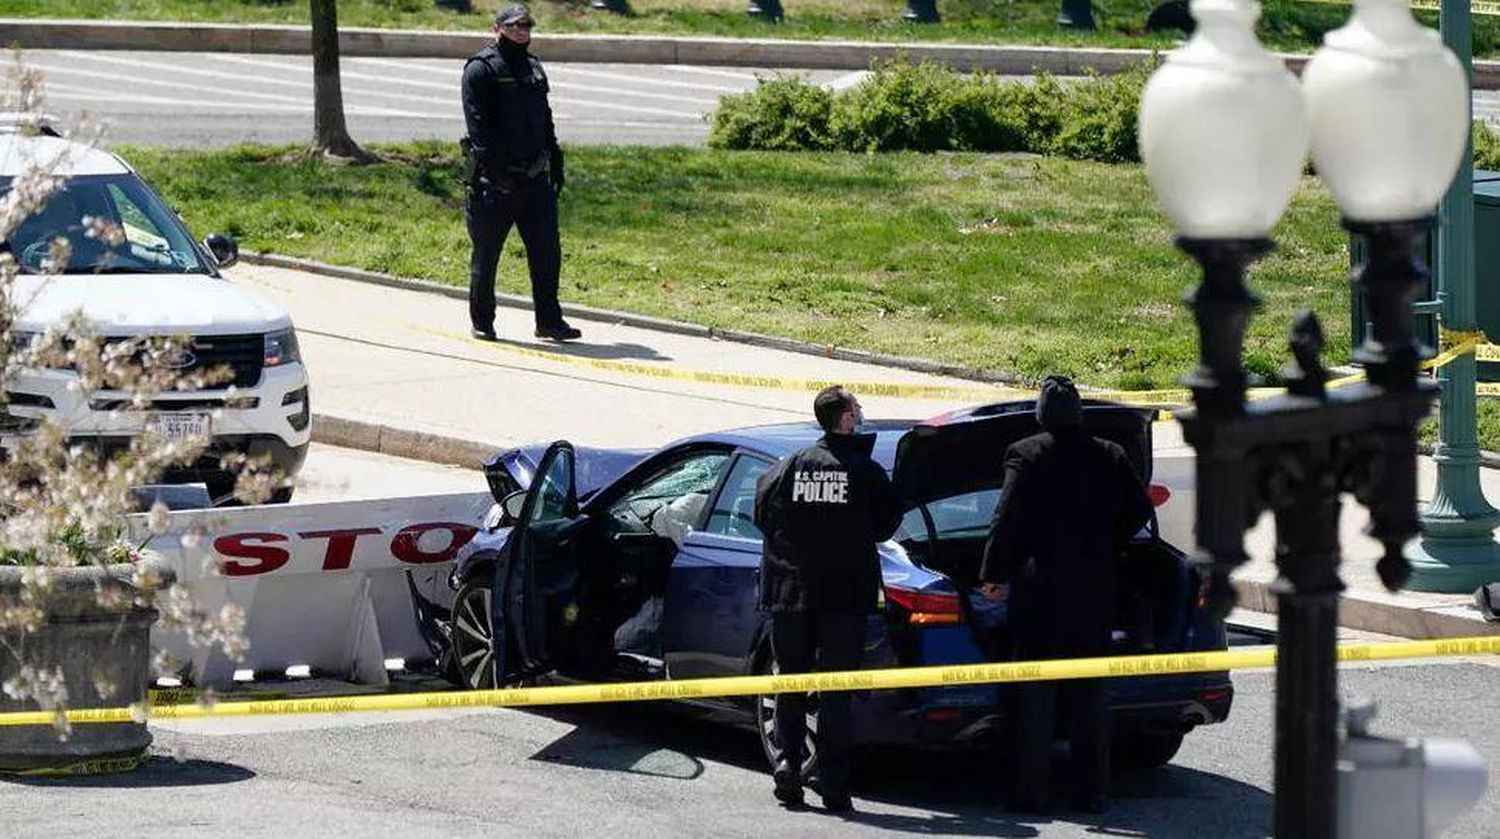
x=217, y=99
x=648, y=771
x=336, y=474
x=202, y=100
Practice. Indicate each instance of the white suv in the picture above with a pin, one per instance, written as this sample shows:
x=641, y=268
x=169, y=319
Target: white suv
x=158, y=282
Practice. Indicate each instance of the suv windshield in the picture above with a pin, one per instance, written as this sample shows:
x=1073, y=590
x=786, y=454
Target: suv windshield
x=153, y=239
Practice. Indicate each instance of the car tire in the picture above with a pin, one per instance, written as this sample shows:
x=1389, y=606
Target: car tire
x=765, y=706
x=1142, y=750
x=473, y=655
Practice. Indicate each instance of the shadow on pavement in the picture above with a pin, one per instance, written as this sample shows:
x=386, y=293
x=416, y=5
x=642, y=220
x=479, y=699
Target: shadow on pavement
x=971, y=787
x=155, y=772
x=961, y=793
x=593, y=747
x=583, y=349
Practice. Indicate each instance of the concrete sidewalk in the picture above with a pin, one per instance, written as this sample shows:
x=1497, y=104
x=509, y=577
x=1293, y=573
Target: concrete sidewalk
x=394, y=370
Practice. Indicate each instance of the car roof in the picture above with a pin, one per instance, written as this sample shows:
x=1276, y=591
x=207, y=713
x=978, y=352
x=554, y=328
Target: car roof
x=778, y=441
x=59, y=155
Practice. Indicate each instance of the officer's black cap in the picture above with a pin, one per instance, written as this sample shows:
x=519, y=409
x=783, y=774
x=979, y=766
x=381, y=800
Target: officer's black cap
x=513, y=14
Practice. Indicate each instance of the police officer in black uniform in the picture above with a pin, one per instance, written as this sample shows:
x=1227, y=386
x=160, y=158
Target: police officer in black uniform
x=1070, y=504
x=822, y=511
x=514, y=173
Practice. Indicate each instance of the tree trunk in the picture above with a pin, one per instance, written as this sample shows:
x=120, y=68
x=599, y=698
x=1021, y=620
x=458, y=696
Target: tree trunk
x=330, y=132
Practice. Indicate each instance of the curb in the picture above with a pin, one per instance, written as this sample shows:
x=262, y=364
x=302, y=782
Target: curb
x=34, y=33
x=1377, y=616
x=400, y=442
x=590, y=313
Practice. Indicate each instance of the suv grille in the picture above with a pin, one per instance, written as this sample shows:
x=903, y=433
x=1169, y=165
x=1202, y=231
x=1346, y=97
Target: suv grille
x=242, y=353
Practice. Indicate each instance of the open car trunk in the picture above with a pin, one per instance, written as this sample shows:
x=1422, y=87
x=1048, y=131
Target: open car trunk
x=951, y=469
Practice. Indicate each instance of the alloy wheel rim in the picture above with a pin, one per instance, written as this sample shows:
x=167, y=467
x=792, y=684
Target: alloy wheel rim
x=474, y=639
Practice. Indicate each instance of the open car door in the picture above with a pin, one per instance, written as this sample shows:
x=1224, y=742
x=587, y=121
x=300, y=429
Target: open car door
x=541, y=576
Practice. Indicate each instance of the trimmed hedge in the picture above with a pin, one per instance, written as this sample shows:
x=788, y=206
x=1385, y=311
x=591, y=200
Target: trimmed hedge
x=928, y=107
x=1486, y=147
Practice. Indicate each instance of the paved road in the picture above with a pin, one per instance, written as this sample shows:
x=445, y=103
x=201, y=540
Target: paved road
x=644, y=771
x=335, y=474
x=216, y=99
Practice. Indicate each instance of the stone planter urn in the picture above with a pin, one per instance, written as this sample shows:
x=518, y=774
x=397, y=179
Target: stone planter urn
x=97, y=641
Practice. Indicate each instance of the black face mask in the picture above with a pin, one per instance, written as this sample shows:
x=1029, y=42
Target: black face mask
x=508, y=47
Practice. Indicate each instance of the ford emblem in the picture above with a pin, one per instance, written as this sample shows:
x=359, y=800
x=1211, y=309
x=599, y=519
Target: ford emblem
x=181, y=360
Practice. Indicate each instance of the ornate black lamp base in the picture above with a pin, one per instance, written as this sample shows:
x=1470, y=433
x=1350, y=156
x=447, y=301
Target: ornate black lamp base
x=1296, y=455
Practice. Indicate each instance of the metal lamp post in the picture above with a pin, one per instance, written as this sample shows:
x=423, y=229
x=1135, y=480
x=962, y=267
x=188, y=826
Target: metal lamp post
x=1224, y=132
x=1458, y=551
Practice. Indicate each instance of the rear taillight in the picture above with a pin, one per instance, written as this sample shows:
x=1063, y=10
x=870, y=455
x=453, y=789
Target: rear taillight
x=1201, y=601
x=926, y=608
x=1158, y=494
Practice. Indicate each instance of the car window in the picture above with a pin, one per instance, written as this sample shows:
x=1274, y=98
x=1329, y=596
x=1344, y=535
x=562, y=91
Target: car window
x=152, y=239
x=964, y=516
x=552, y=503
x=734, y=513
x=697, y=474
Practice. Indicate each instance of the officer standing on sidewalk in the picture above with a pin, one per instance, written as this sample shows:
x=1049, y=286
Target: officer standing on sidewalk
x=514, y=174
x=1069, y=506
x=823, y=510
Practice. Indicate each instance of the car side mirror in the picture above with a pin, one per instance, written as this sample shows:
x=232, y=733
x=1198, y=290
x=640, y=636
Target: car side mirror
x=225, y=250
x=513, y=504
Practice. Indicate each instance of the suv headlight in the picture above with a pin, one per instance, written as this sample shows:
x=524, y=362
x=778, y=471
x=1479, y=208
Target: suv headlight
x=281, y=348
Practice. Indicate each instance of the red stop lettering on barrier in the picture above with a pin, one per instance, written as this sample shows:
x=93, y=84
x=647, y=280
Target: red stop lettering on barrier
x=406, y=549
x=340, y=545
x=266, y=558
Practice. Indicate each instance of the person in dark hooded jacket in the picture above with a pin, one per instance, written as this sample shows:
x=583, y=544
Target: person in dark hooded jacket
x=822, y=511
x=1069, y=505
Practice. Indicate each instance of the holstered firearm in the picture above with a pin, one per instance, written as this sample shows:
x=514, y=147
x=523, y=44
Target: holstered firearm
x=472, y=168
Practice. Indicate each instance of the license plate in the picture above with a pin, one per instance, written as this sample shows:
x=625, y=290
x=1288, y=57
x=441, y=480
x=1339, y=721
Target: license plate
x=179, y=426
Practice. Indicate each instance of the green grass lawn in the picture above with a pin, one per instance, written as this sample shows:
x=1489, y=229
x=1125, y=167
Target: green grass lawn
x=1009, y=263
x=1287, y=24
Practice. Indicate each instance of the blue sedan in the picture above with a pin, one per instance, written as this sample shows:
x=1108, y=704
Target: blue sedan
x=607, y=565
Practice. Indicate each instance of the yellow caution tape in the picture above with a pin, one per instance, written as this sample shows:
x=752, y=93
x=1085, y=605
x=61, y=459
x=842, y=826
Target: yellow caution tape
x=96, y=766
x=907, y=677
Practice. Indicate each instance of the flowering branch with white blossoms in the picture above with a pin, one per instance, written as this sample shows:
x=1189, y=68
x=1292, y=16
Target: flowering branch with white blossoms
x=64, y=500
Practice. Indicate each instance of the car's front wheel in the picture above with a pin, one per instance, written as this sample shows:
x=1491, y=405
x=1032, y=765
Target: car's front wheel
x=474, y=636
x=765, y=711
x=1140, y=750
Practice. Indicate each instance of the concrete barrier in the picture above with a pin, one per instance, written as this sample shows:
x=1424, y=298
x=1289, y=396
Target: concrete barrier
x=322, y=585
x=31, y=33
